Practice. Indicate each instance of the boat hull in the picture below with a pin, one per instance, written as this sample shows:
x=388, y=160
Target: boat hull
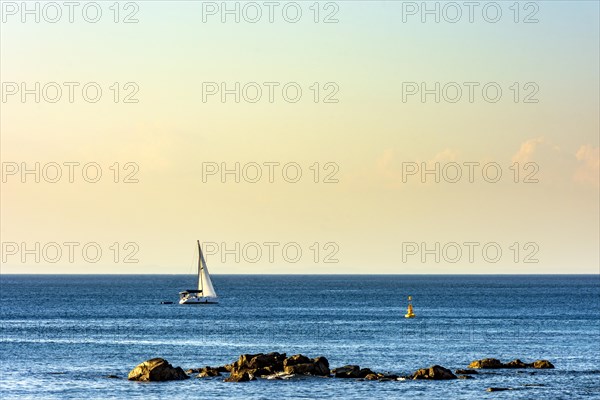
x=199, y=300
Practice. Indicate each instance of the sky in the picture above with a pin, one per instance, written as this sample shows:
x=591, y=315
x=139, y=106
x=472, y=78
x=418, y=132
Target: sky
x=329, y=179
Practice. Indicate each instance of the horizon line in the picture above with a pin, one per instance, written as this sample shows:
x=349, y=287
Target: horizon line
x=313, y=274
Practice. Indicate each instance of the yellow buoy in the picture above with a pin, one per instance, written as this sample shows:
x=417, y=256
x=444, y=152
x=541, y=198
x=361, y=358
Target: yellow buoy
x=409, y=312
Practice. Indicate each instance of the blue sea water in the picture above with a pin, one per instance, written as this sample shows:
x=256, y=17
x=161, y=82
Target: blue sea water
x=62, y=335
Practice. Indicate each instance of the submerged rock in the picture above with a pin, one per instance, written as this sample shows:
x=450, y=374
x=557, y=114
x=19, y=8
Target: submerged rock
x=497, y=389
x=466, y=372
x=465, y=377
x=434, y=372
x=156, y=370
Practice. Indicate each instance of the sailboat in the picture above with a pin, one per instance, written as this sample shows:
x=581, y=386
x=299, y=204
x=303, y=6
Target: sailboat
x=205, y=294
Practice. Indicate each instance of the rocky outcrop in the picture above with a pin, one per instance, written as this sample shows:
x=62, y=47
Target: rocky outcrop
x=156, y=370
x=486, y=363
x=517, y=364
x=347, y=371
x=240, y=376
x=434, y=372
x=492, y=363
x=302, y=365
x=542, y=364
x=207, y=372
x=276, y=365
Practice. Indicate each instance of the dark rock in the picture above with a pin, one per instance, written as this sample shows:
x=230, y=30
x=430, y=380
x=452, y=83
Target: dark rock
x=302, y=365
x=364, y=372
x=255, y=365
x=113, y=377
x=208, y=372
x=465, y=377
x=300, y=369
x=372, y=377
x=224, y=368
x=321, y=366
x=273, y=365
x=296, y=359
x=347, y=371
x=497, y=389
x=542, y=364
x=243, y=376
x=435, y=372
x=517, y=364
x=486, y=363
x=156, y=370
x=465, y=372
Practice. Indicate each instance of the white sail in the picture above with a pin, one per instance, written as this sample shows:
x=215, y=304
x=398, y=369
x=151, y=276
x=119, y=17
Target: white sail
x=204, y=282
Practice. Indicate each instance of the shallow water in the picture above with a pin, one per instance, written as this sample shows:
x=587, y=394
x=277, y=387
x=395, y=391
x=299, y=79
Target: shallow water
x=62, y=335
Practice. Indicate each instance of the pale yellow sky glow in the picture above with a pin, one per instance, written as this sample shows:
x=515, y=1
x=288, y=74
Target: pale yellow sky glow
x=360, y=135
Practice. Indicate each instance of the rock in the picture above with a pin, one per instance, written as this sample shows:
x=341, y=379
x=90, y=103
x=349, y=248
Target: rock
x=224, y=368
x=321, y=366
x=364, y=372
x=257, y=361
x=193, y=370
x=300, y=369
x=208, y=372
x=465, y=372
x=497, y=389
x=255, y=365
x=113, y=377
x=492, y=363
x=516, y=364
x=296, y=359
x=465, y=377
x=347, y=371
x=243, y=376
x=435, y=372
x=542, y=364
x=302, y=365
x=486, y=363
x=372, y=377
x=156, y=370
x=273, y=365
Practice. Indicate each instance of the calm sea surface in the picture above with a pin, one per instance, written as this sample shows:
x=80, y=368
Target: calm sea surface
x=62, y=335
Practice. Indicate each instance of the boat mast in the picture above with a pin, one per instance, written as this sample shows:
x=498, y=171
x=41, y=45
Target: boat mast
x=200, y=267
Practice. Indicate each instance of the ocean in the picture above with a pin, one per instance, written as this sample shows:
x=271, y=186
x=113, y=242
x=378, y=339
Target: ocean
x=62, y=335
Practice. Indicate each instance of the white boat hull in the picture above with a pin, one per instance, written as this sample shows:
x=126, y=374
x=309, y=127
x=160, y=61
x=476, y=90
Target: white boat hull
x=199, y=300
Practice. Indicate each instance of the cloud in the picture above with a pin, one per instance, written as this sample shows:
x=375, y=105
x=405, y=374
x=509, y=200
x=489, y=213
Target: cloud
x=589, y=165
x=527, y=149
